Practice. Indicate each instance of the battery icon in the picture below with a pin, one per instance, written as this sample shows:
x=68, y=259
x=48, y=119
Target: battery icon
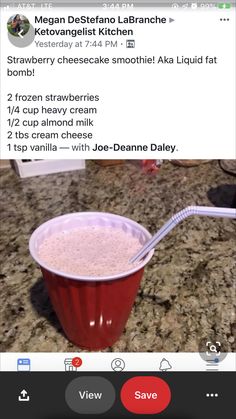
x=224, y=5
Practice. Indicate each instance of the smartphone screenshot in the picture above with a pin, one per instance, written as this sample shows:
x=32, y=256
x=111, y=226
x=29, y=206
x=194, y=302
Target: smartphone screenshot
x=118, y=209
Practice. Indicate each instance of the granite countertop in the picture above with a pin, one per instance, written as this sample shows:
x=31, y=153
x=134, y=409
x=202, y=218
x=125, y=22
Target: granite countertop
x=187, y=292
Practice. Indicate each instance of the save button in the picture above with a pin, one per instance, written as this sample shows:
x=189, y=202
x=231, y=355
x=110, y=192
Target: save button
x=145, y=395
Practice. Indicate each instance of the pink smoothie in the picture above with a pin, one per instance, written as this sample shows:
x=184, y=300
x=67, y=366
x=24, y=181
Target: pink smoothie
x=90, y=251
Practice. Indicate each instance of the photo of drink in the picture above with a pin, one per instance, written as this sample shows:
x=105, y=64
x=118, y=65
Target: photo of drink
x=131, y=259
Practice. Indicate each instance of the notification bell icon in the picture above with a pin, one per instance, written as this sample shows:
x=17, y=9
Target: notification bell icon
x=165, y=365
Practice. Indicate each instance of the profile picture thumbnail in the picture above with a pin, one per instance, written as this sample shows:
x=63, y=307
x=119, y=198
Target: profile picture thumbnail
x=18, y=25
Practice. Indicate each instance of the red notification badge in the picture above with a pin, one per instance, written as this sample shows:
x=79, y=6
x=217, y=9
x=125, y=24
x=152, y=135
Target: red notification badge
x=76, y=362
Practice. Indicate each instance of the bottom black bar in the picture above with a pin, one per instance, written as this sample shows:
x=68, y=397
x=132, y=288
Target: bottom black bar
x=50, y=395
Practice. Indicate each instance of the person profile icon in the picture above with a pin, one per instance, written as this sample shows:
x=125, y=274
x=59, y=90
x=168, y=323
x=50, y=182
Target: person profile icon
x=18, y=25
x=118, y=364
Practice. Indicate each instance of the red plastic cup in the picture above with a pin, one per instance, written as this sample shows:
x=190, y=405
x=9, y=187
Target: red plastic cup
x=92, y=311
